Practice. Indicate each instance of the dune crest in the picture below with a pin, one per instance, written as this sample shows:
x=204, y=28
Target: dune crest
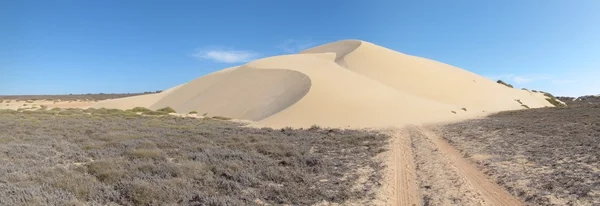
x=348, y=83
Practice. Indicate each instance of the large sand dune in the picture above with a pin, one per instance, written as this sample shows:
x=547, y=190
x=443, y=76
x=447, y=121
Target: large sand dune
x=346, y=83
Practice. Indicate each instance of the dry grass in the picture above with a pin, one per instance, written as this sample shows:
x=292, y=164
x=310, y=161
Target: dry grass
x=104, y=157
x=548, y=156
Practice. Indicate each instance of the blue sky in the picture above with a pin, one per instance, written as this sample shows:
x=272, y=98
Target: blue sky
x=61, y=47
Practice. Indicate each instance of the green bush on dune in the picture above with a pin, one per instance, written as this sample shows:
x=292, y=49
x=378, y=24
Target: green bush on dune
x=504, y=83
x=221, y=118
x=140, y=109
x=166, y=110
x=552, y=100
x=555, y=102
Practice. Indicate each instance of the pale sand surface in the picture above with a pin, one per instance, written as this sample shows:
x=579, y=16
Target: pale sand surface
x=348, y=83
x=37, y=104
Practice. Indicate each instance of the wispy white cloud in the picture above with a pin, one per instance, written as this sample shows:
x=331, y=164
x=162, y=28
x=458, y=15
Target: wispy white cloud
x=226, y=55
x=295, y=45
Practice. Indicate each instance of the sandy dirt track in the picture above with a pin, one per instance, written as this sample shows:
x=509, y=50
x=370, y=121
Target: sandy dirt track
x=400, y=186
x=425, y=170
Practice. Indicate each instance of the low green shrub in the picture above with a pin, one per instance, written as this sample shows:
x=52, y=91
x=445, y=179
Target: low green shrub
x=193, y=112
x=140, y=109
x=555, y=102
x=8, y=111
x=504, y=83
x=166, y=110
x=221, y=118
x=155, y=113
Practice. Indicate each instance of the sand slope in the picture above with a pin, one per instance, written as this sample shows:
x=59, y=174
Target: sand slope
x=238, y=94
x=347, y=83
x=427, y=78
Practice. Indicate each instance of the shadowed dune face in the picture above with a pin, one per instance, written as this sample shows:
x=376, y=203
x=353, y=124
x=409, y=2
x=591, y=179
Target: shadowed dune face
x=238, y=94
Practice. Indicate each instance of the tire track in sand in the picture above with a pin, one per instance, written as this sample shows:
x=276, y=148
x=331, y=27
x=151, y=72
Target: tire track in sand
x=492, y=193
x=399, y=185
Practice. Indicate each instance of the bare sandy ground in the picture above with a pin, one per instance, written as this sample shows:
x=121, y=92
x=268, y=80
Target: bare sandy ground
x=425, y=170
x=38, y=104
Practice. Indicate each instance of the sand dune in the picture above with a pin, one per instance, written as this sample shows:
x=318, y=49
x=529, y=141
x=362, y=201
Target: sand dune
x=243, y=93
x=347, y=83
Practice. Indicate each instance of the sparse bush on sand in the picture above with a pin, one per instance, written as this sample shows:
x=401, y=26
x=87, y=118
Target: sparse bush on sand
x=140, y=109
x=314, y=127
x=518, y=101
x=166, y=110
x=555, y=102
x=464, y=109
x=107, y=158
x=8, y=111
x=504, y=83
x=552, y=100
x=221, y=118
x=193, y=112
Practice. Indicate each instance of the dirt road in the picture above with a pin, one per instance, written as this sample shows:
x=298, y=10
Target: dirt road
x=425, y=170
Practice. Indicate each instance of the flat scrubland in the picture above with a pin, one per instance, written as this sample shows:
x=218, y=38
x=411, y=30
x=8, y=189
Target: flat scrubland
x=548, y=156
x=588, y=100
x=113, y=157
x=69, y=97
